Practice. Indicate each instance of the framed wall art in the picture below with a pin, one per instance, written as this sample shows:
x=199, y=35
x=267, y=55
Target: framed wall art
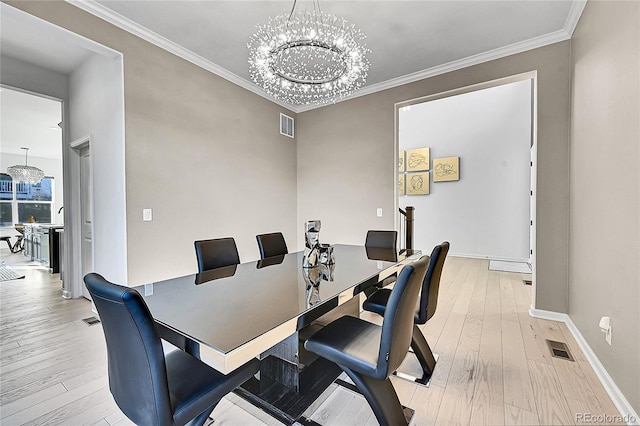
x=401, y=185
x=417, y=159
x=446, y=169
x=401, y=162
x=417, y=183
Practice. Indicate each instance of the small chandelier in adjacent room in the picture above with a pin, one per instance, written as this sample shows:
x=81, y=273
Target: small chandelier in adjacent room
x=308, y=57
x=27, y=174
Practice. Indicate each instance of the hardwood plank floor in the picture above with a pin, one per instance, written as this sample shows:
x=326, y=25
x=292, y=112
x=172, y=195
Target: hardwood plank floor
x=494, y=366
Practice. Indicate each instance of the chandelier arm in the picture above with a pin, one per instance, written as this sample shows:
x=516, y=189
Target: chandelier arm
x=291, y=13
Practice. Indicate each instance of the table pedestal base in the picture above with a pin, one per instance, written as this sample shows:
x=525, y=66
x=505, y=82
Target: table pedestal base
x=282, y=402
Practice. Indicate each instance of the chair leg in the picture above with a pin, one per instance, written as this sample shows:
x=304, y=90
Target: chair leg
x=192, y=348
x=382, y=398
x=423, y=353
x=17, y=246
x=202, y=417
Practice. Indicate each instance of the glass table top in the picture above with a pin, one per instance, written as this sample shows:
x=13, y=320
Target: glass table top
x=228, y=307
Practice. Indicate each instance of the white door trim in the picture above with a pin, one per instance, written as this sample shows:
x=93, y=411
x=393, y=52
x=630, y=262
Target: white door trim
x=73, y=284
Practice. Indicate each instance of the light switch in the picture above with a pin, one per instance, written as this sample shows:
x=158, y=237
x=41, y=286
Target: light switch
x=147, y=215
x=379, y=212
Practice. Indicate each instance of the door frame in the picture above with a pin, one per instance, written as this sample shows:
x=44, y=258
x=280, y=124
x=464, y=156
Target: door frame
x=73, y=287
x=530, y=75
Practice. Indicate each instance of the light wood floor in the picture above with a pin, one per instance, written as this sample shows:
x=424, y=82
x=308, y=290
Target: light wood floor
x=494, y=367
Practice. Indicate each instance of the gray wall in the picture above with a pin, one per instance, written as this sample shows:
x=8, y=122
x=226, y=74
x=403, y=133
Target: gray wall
x=485, y=213
x=346, y=168
x=204, y=154
x=604, y=243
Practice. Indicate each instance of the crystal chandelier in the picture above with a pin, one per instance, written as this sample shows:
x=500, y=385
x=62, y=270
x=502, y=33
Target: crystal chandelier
x=308, y=57
x=27, y=174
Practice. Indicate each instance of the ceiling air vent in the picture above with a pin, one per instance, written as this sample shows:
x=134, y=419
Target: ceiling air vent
x=286, y=125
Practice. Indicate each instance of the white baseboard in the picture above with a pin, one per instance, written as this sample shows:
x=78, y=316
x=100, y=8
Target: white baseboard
x=621, y=403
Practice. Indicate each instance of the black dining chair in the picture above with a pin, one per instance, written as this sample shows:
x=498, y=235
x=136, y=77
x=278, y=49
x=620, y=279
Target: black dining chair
x=216, y=253
x=370, y=353
x=377, y=302
x=149, y=388
x=381, y=245
x=272, y=244
x=381, y=239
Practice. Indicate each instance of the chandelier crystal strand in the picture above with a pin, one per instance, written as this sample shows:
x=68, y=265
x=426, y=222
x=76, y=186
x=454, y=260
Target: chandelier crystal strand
x=308, y=57
x=27, y=174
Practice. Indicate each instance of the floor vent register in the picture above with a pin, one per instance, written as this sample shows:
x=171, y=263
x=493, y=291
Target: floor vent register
x=91, y=321
x=560, y=350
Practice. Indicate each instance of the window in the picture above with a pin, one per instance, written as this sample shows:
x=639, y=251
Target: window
x=22, y=201
x=6, y=194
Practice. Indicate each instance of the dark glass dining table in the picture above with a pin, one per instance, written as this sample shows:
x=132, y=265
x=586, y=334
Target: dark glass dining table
x=261, y=309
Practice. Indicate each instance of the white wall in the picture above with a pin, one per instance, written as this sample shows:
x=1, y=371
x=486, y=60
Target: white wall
x=485, y=213
x=97, y=110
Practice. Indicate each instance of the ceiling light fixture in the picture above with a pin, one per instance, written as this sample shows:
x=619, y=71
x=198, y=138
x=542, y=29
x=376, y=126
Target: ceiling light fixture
x=27, y=174
x=308, y=57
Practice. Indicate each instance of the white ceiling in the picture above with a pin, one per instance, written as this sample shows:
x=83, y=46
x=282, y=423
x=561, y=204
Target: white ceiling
x=32, y=122
x=32, y=40
x=409, y=39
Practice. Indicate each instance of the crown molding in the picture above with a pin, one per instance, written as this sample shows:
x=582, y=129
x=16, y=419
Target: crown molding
x=557, y=36
x=577, y=7
x=126, y=24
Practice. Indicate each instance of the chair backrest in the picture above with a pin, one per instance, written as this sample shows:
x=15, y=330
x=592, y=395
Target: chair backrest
x=381, y=239
x=137, y=371
x=216, y=253
x=272, y=244
x=397, y=325
x=431, y=284
x=381, y=253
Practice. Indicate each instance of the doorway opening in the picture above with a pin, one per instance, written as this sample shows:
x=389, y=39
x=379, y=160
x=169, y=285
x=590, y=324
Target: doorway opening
x=31, y=213
x=478, y=171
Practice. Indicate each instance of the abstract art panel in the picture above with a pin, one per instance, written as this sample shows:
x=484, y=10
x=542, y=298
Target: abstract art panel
x=401, y=162
x=446, y=169
x=417, y=159
x=417, y=183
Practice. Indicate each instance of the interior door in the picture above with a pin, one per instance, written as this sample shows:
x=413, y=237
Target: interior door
x=86, y=214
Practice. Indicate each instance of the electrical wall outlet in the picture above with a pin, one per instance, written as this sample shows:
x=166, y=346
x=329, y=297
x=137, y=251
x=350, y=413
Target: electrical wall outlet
x=148, y=289
x=147, y=215
x=605, y=327
x=379, y=212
